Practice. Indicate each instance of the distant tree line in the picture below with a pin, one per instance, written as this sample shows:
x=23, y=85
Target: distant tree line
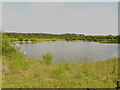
x=67, y=37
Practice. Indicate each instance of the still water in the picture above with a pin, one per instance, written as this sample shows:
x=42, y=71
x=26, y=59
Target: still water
x=71, y=51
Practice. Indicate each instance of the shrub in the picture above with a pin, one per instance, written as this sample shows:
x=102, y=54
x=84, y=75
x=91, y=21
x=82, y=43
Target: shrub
x=26, y=39
x=47, y=57
x=53, y=40
x=13, y=39
x=6, y=47
x=20, y=39
x=32, y=39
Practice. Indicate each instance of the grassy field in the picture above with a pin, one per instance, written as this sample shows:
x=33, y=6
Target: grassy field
x=21, y=72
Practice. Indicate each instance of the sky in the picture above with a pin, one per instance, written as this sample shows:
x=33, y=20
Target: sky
x=93, y=18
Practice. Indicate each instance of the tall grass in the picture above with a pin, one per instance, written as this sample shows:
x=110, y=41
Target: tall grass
x=19, y=61
x=101, y=74
x=47, y=57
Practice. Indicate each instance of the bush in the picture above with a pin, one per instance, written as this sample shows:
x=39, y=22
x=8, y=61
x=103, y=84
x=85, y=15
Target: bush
x=26, y=39
x=47, y=57
x=32, y=39
x=19, y=62
x=20, y=39
x=13, y=39
x=6, y=47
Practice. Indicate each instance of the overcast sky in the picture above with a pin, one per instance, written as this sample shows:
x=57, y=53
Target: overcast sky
x=61, y=17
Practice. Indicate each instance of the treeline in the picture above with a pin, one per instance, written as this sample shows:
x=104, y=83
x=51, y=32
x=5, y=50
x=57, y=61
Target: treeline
x=67, y=37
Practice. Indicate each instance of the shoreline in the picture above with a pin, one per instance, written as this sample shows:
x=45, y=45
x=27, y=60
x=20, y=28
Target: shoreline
x=38, y=41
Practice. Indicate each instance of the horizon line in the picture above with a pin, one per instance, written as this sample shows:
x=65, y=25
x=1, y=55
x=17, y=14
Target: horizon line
x=58, y=33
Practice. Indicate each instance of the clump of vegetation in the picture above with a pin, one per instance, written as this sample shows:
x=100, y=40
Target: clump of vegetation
x=13, y=40
x=47, y=57
x=32, y=39
x=26, y=39
x=20, y=39
x=17, y=60
x=6, y=47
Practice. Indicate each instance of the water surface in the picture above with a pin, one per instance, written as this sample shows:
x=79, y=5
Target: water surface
x=71, y=51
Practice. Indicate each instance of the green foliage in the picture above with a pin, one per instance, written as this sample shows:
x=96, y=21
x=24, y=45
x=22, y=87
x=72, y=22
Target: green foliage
x=67, y=37
x=16, y=59
x=26, y=39
x=32, y=39
x=13, y=39
x=47, y=57
x=20, y=39
x=18, y=62
x=119, y=39
x=7, y=48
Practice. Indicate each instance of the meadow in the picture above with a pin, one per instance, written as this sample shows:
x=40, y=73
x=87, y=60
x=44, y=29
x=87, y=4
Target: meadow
x=20, y=71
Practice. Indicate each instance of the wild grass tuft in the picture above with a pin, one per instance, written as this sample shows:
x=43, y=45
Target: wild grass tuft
x=47, y=57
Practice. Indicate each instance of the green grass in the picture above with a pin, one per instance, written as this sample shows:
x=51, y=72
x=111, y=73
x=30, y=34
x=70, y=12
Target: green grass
x=21, y=72
x=47, y=57
x=0, y=72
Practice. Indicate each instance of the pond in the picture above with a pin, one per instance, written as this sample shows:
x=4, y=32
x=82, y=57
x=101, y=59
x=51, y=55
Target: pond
x=71, y=51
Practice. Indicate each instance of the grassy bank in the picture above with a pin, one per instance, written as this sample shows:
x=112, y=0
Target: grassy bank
x=21, y=72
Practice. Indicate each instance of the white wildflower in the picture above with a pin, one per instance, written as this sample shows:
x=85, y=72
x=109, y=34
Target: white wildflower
x=24, y=52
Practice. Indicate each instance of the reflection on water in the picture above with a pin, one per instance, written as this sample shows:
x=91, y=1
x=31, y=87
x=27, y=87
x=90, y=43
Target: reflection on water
x=71, y=51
